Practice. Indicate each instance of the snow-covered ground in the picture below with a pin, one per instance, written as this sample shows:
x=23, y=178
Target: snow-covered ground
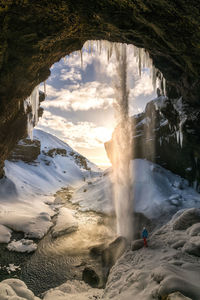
x=157, y=192
x=26, y=193
x=169, y=266
x=171, y=263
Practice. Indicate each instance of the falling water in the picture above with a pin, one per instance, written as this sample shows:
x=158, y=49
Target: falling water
x=122, y=149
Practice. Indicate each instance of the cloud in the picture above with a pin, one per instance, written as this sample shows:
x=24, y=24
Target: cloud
x=73, y=75
x=91, y=95
x=80, y=134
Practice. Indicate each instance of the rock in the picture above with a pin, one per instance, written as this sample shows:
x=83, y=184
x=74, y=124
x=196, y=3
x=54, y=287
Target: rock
x=177, y=296
x=97, y=250
x=55, y=151
x=114, y=250
x=187, y=219
x=26, y=150
x=90, y=276
x=137, y=244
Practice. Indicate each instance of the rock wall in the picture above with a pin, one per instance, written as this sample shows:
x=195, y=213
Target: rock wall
x=167, y=133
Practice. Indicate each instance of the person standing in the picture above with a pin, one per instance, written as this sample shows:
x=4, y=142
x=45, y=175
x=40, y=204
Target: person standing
x=145, y=236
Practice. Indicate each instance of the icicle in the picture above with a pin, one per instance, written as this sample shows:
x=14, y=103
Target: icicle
x=32, y=118
x=81, y=56
x=45, y=90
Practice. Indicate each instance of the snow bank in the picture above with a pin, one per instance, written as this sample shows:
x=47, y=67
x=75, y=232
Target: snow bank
x=65, y=223
x=15, y=289
x=74, y=290
x=159, y=270
x=22, y=246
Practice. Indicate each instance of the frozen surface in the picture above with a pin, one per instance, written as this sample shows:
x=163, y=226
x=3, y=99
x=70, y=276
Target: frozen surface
x=22, y=245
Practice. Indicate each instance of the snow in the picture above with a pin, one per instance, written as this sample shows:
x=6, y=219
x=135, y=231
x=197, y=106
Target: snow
x=157, y=192
x=65, y=223
x=12, y=268
x=26, y=193
x=159, y=270
x=15, y=289
x=74, y=290
x=5, y=234
x=96, y=194
x=22, y=245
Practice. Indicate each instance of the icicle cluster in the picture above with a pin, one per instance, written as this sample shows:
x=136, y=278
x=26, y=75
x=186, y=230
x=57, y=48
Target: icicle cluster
x=31, y=106
x=142, y=57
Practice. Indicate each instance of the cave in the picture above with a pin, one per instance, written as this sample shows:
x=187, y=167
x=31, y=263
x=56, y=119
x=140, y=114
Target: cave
x=36, y=34
x=59, y=209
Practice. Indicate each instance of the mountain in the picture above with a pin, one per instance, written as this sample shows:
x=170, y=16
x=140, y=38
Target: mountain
x=34, y=172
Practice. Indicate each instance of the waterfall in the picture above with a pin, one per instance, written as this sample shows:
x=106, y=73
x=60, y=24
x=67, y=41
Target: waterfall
x=31, y=106
x=122, y=149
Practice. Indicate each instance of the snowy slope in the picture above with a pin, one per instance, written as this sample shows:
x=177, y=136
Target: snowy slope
x=157, y=192
x=29, y=186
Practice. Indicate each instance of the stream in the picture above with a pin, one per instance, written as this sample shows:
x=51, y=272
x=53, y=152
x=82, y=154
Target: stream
x=57, y=260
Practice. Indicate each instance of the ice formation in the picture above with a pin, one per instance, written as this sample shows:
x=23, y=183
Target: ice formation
x=142, y=57
x=32, y=103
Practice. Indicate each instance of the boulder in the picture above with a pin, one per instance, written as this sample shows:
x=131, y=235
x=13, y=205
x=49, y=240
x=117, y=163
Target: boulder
x=137, y=244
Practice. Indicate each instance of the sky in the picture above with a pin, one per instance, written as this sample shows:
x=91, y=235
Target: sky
x=80, y=94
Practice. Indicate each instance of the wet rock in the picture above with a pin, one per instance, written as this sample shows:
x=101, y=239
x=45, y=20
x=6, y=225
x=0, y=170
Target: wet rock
x=90, y=276
x=187, y=219
x=137, y=244
x=97, y=250
x=114, y=250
